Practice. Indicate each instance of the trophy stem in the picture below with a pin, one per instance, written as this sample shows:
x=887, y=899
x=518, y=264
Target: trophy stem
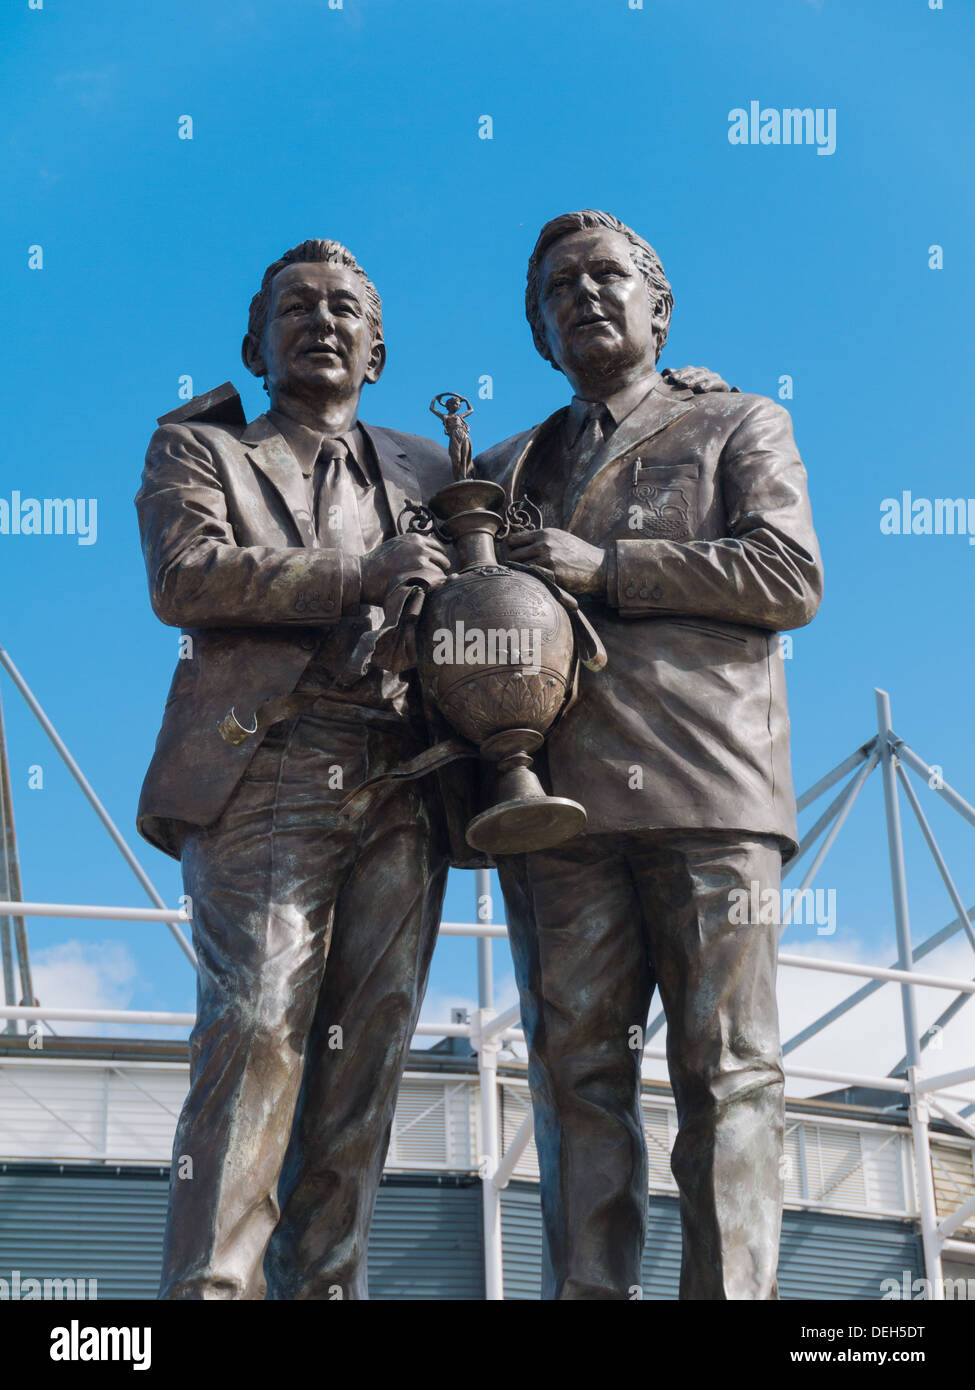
x=522, y=817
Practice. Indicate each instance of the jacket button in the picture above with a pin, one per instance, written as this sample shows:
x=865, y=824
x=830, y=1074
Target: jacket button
x=307, y=644
x=644, y=594
x=657, y=593
x=630, y=591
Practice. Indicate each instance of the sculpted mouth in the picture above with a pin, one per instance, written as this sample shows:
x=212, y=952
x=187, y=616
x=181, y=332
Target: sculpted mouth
x=590, y=320
x=322, y=350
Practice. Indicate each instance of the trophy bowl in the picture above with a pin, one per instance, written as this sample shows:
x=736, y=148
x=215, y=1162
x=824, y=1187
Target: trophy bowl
x=495, y=653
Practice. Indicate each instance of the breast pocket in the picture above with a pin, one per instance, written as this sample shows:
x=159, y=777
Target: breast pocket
x=662, y=501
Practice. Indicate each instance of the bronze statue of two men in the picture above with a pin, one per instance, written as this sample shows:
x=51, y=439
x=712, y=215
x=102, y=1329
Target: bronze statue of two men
x=675, y=514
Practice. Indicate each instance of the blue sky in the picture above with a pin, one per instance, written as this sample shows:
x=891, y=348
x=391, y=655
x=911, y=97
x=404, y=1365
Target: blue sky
x=362, y=124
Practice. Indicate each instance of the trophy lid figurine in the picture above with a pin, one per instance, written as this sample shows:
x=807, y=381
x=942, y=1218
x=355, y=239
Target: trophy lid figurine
x=497, y=647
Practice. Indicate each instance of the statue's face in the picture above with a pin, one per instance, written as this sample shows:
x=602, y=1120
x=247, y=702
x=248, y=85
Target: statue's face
x=318, y=341
x=595, y=306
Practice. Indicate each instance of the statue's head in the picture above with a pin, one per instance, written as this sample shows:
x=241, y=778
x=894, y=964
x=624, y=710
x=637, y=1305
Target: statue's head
x=597, y=298
x=316, y=325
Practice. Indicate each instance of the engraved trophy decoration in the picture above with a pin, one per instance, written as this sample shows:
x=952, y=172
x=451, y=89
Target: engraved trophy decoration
x=496, y=647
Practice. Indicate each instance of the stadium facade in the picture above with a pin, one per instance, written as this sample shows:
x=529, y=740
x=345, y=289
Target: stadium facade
x=86, y=1133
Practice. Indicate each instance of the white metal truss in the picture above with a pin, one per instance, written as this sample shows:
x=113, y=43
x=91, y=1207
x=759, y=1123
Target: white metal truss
x=489, y=1030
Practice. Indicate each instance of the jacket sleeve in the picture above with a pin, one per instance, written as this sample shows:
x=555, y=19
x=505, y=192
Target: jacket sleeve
x=200, y=577
x=766, y=572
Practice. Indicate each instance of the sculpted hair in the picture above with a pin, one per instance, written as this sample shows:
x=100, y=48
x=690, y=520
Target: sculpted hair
x=331, y=252
x=643, y=255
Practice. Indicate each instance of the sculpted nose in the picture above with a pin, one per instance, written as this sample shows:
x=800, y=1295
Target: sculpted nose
x=587, y=289
x=322, y=316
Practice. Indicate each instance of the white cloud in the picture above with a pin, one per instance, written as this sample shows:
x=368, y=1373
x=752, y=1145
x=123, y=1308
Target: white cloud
x=870, y=1038
x=87, y=975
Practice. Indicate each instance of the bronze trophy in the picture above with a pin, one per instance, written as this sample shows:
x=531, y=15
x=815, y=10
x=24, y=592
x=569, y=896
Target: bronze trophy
x=497, y=648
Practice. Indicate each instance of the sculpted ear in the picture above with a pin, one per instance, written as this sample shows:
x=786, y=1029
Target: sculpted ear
x=377, y=361
x=251, y=355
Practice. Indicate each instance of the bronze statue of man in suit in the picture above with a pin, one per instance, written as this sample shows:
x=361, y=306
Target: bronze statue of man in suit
x=682, y=523
x=273, y=546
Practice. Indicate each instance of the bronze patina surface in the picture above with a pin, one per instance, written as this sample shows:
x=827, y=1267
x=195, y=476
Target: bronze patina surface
x=273, y=545
x=680, y=520
x=496, y=655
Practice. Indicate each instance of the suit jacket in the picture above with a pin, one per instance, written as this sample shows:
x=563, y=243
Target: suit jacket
x=233, y=559
x=702, y=501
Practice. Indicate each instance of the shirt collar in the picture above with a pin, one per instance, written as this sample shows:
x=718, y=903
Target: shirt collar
x=306, y=442
x=619, y=404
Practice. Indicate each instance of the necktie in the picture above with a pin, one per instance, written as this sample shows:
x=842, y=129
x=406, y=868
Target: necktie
x=337, y=502
x=594, y=431
x=597, y=425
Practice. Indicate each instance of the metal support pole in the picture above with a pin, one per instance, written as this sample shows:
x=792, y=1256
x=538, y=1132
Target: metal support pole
x=12, y=885
x=6, y=927
x=7, y=961
x=951, y=1116
x=932, y=943
x=831, y=778
x=515, y=1150
x=933, y=1029
x=850, y=795
x=484, y=916
x=945, y=1080
x=810, y=836
x=938, y=785
x=930, y=1237
x=956, y=1220
x=898, y=878
x=93, y=800
x=488, y=1046
x=936, y=854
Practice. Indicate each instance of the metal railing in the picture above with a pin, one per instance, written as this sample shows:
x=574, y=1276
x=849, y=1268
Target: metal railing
x=488, y=1030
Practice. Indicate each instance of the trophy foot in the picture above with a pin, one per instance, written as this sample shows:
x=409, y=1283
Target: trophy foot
x=523, y=819
x=524, y=825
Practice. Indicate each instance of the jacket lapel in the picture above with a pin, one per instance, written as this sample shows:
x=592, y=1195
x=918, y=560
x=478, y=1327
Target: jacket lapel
x=398, y=474
x=270, y=453
x=658, y=409
x=511, y=476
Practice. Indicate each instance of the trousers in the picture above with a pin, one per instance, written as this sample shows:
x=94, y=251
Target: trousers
x=595, y=927
x=314, y=939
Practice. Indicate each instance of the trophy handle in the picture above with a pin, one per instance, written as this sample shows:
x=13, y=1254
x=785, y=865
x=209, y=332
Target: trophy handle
x=419, y=520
